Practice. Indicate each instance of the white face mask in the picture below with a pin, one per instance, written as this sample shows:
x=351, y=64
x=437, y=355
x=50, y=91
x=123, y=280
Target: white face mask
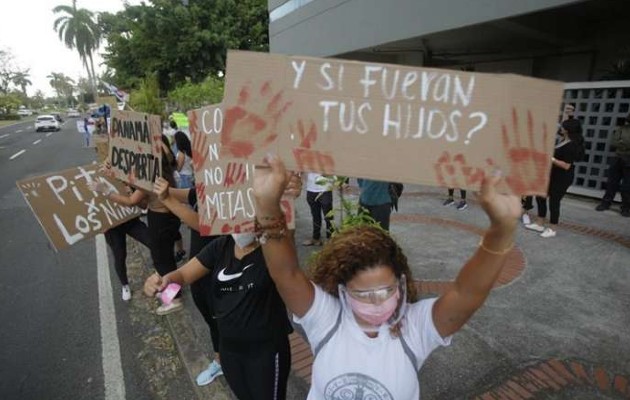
x=244, y=239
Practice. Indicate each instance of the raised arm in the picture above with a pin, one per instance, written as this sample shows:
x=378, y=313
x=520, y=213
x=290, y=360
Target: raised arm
x=270, y=182
x=134, y=199
x=476, y=278
x=173, y=203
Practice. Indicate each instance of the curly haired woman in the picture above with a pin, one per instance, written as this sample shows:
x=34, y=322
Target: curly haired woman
x=369, y=333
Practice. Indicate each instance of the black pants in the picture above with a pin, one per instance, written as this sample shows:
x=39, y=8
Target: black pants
x=462, y=193
x=558, y=186
x=618, y=180
x=200, y=291
x=257, y=371
x=527, y=202
x=320, y=203
x=163, y=231
x=380, y=213
x=116, y=238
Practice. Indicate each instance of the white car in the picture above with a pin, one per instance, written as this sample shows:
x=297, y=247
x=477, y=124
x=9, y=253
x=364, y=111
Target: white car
x=73, y=114
x=47, y=122
x=24, y=112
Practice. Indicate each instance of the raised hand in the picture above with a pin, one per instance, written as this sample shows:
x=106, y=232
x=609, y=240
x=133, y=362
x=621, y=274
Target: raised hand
x=160, y=188
x=270, y=181
x=502, y=209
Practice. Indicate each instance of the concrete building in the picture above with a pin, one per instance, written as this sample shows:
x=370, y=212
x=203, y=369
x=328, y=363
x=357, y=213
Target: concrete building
x=569, y=40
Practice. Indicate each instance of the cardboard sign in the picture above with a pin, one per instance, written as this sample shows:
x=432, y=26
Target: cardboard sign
x=68, y=210
x=135, y=147
x=390, y=122
x=224, y=187
x=102, y=147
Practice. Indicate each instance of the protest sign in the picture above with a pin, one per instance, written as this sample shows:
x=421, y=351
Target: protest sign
x=102, y=147
x=224, y=186
x=80, y=126
x=390, y=122
x=68, y=210
x=135, y=147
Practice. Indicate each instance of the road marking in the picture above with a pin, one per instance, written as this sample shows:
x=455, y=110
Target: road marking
x=112, y=366
x=16, y=155
x=5, y=135
x=18, y=131
x=37, y=141
x=49, y=133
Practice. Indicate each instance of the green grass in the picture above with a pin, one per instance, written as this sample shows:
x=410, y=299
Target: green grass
x=27, y=119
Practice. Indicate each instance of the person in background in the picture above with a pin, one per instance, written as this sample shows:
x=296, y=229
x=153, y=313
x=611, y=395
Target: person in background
x=367, y=328
x=319, y=197
x=462, y=205
x=183, y=203
x=376, y=200
x=86, y=132
x=184, y=160
x=568, y=151
x=619, y=170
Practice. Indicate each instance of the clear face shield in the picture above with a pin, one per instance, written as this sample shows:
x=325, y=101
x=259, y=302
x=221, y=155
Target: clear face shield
x=373, y=301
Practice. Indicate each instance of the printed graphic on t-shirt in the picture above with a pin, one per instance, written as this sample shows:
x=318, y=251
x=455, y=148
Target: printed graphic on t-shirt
x=356, y=386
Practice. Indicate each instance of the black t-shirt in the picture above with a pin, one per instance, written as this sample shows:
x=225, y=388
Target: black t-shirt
x=246, y=303
x=561, y=178
x=197, y=242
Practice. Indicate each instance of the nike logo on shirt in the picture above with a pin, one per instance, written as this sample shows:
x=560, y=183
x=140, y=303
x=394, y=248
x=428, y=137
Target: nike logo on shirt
x=223, y=277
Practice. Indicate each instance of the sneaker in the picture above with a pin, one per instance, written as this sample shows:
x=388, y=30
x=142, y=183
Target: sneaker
x=625, y=212
x=209, y=374
x=548, y=233
x=179, y=256
x=535, y=227
x=603, y=206
x=126, y=293
x=462, y=205
x=312, y=242
x=526, y=219
x=448, y=202
x=165, y=309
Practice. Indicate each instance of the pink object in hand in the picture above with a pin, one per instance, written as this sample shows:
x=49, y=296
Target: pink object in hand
x=169, y=293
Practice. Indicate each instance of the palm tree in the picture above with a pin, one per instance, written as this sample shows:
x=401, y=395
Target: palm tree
x=78, y=29
x=62, y=85
x=20, y=79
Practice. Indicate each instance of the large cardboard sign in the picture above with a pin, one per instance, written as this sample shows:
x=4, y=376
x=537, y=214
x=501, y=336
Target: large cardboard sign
x=224, y=186
x=68, y=210
x=390, y=122
x=135, y=147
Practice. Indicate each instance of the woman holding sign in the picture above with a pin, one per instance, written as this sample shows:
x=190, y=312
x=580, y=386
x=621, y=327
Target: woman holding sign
x=369, y=332
x=250, y=315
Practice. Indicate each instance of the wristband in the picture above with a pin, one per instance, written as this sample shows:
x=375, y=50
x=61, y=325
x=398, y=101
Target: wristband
x=494, y=252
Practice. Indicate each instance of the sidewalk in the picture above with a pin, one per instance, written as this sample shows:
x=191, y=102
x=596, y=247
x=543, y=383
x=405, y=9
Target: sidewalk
x=556, y=326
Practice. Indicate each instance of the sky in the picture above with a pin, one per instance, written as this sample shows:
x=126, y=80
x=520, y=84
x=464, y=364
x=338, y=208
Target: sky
x=26, y=30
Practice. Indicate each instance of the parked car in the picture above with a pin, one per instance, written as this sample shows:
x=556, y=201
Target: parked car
x=73, y=114
x=47, y=122
x=24, y=112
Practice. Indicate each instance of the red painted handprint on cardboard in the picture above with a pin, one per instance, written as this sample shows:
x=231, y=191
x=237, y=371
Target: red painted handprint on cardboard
x=307, y=158
x=454, y=171
x=529, y=165
x=253, y=123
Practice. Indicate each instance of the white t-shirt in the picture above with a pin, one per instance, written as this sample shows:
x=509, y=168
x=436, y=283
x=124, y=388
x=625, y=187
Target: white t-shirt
x=353, y=365
x=187, y=167
x=313, y=186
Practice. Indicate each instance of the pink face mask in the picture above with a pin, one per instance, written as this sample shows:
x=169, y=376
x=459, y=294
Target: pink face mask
x=372, y=313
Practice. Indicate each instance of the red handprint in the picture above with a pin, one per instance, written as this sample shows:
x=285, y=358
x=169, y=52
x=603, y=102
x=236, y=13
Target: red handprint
x=529, y=167
x=199, y=143
x=308, y=159
x=454, y=172
x=253, y=123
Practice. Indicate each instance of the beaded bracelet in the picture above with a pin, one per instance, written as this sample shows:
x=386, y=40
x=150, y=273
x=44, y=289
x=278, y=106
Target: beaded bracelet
x=276, y=230
x=493, y=252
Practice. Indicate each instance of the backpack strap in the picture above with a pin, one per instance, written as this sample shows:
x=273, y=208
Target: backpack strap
x=408, y=352
x=329, y=335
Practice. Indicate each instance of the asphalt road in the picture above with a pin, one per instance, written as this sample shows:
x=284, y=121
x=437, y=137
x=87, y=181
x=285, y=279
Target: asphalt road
x=51, y=344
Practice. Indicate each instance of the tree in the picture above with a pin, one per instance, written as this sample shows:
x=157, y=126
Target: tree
x=7, y=70
x=20, y=79
x=62, y=85
x=147, y=98
x=180, y=43
x=79, y=31
x=194, y=95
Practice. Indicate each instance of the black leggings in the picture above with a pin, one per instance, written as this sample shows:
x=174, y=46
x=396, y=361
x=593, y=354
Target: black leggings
x=381, y=213
x=200, y=291
x=116, y=238
x=462, y=193
x=257, y=371
x=320, y=203
x=163, y=231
